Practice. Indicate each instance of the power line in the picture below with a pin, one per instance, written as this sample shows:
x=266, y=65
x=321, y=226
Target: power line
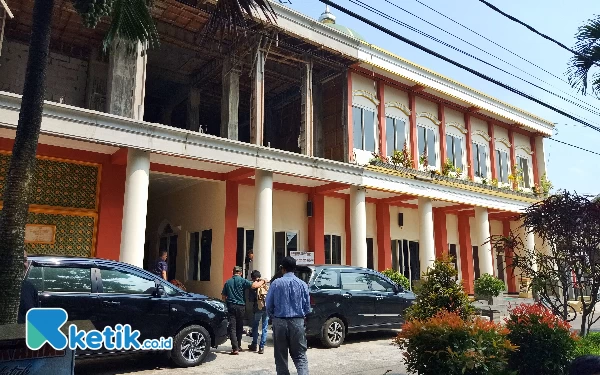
x=455, y=63
x=492, y=6
x=491, y=54
x=384, y=15
x=491, y=41
x=580, y=148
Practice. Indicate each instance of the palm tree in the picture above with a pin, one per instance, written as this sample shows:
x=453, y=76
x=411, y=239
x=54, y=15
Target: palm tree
x=131, y=22
x=588, y=58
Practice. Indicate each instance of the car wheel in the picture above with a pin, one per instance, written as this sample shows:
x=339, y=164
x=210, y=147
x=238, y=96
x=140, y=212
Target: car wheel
x=191, y=345
x=333, y=333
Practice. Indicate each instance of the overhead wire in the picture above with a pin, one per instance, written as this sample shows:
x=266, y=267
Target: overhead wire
x=414, y=29
x=457, y=64
x=491, y=54
x=531, y=28
x=580, y=148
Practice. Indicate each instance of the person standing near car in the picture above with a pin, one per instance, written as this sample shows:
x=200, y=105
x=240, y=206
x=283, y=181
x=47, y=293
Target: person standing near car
x=259, y=307
x=288, y=301
x=161, y=266
x=234, y=295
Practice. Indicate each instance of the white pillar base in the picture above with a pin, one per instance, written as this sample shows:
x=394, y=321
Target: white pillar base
x=135, y=207
x=482, y=225
x=358, y=226
x=426, y=240
x=263, y=223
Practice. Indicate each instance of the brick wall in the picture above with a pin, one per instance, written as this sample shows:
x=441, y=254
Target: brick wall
x=333, y=112
x=66, y=76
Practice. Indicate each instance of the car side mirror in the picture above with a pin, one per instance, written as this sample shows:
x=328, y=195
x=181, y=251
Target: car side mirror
x=399, y=289
x=159, y=289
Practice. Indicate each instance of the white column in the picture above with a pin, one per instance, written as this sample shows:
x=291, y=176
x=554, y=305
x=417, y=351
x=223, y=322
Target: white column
x=263, y=223
x=358, y=226
x=426, y=241
x=135, y=207
x=530, y=243
x=482, y=230
x=257, y=104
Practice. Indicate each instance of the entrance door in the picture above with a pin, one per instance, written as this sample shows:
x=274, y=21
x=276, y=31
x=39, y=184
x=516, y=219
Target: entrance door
x=370, y=254
x=284, y=243
x=168, y=242
x=476, y=262
x=415, y=261
x=500, y=265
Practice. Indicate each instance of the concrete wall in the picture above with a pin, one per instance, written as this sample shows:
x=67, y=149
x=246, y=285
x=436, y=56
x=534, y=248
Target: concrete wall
x=426, y=106
x=360, y=82
x=478, y=125
x=196, y=208
x=410, y=230
x=66, y=76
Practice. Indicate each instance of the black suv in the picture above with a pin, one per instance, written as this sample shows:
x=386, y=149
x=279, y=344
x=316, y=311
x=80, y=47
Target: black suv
x=348, y=299
x=110, y=293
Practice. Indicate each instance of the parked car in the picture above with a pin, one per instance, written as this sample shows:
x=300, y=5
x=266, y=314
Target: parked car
x=348, y=299
x=110, y=293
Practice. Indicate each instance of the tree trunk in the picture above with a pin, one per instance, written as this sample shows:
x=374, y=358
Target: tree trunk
x=22, y=165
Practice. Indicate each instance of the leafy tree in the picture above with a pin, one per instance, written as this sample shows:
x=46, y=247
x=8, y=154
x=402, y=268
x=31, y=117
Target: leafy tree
x=440, y=290
x=488, y=286
x=569, y=227
x=131, y=23
x=588, y=61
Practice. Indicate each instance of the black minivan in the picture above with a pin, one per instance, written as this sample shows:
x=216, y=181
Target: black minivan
x=110, y=293
x=347, y=299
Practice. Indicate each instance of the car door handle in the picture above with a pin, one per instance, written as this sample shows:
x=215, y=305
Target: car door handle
x=111, y=303
x=379, y=297
x=347, y=295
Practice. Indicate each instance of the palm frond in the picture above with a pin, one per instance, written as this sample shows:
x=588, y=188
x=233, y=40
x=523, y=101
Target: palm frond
x=580, y=66
x=131, y=22
x=233, y=13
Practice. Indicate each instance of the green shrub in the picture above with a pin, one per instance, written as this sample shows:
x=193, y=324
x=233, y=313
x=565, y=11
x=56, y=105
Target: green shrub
x=545, y=343
x=590, y=344
x=446, y=344
x=488, y=286
x=440, y=291
x=397, y=277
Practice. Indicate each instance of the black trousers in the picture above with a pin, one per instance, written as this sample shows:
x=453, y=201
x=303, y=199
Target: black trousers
x=236, y=324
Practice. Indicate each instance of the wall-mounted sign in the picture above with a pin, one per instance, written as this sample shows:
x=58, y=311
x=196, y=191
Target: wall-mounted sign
x=40, y=234
x=303, y=257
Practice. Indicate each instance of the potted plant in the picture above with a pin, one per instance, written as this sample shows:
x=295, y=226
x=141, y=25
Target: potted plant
x=487, y=287
x=402, y=158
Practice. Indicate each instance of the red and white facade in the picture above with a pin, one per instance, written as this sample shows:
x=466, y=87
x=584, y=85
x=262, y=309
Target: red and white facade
x=208, y=199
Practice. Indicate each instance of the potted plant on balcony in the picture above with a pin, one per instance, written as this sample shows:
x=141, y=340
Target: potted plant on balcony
x=487, y=287
x=402, y=158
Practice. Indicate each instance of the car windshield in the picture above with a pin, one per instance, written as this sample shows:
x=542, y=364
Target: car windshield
x=303, y=274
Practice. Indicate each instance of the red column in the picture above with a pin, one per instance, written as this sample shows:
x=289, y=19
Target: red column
x=381, y=114
x=349, y=125
x=492, y=150
x=384, y=241
x=534, y=163
x=442, y=118
x=231, y=222
x=348, y=233
x=510, y=274
x=469, y=147
x=414, y=149
x=466, y=252
x=316, y=228
x=440, y=232
x=110, y=211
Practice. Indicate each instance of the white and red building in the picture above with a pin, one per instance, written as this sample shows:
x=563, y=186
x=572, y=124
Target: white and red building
x=263, y=141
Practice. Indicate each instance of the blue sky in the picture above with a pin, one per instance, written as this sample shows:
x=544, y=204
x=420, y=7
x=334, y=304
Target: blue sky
x=568, y=168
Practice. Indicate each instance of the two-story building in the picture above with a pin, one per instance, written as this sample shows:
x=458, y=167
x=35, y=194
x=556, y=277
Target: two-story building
x=295, y=136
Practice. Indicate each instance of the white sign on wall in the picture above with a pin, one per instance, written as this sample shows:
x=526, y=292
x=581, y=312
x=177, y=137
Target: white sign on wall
x=303, y=257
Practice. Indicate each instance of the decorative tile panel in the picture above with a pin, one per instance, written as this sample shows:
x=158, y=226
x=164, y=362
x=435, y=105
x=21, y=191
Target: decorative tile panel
x=59, y=183
x=74, y=234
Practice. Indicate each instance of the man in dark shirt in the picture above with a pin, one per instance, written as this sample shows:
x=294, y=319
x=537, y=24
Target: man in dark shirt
x=160, y=267
x=29, y=295
x=234, y=294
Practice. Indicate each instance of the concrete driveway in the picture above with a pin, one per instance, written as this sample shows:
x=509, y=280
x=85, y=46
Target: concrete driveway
x=368, y=353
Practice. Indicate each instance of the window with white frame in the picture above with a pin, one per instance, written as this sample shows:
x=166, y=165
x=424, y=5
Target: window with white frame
x=454, y=150
x=523, y=164
x=333, y=249
x=502, y=166
x=427, y=140
x=363, y=128
x=480, y=168
x=395, y=133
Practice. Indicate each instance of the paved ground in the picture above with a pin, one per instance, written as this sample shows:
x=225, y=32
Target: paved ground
x=369, y=354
